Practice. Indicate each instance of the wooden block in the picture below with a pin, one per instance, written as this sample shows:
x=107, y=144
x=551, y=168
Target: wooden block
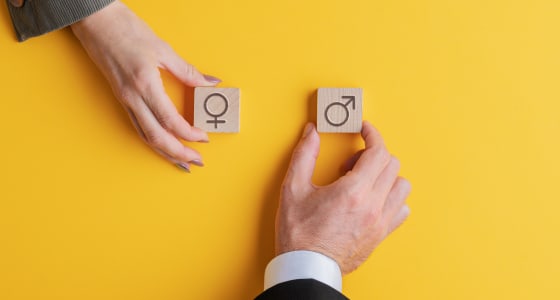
x=339, y=109
x=216, y=109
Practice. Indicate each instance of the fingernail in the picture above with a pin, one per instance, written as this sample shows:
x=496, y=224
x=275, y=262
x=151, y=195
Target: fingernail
x=197, y=162
x=307, y=130
x=212, y=79
x=184, y=167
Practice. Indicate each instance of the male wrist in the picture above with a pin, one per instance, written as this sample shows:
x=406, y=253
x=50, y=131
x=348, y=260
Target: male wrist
x=303, y=265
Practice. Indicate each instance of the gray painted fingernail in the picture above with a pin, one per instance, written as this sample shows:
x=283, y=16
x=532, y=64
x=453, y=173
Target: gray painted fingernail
x=197, y=162
x=184, y=167
x=212, y=79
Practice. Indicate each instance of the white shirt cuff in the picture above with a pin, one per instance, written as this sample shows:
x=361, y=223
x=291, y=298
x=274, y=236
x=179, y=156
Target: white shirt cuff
x=303, y=265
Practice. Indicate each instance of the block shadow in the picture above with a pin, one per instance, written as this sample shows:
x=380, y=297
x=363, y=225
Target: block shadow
x=188, y=107
x=312, y=107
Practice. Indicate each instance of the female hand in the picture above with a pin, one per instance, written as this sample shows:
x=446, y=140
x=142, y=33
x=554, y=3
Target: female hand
x=130, y=55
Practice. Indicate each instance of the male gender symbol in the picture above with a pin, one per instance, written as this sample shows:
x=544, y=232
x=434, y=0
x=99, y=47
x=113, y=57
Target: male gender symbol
x=214, y=114
x=352, y=100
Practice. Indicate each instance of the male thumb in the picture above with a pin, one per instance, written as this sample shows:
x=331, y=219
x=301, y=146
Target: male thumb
x=305, y=154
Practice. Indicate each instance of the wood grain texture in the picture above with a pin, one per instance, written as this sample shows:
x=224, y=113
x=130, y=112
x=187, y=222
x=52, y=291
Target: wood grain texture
x=339, y=110
x=216, y=109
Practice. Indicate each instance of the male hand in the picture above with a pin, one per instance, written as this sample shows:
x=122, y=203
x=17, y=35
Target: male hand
x=347, y=219
x=130, y=55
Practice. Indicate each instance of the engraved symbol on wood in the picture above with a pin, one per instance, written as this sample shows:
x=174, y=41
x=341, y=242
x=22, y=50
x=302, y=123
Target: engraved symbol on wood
x=216, y=109
x=344, y=106
x=209, y=107
x=339, y=110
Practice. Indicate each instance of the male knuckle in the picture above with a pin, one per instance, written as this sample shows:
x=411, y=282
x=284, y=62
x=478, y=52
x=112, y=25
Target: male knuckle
x=382, y=228
x=396, y=163
x=383, y=154
x=380, y=154
x=375, y=214
x=298, y=153
x=288, y=190
x=354, y=198
x=163, y=47
x=405, y=186
x=405, y=213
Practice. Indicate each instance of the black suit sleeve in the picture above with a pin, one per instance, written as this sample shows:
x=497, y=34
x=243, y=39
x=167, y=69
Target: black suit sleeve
x=301, y=289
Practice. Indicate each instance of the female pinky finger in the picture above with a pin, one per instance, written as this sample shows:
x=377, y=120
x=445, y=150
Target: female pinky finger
x=136, y=125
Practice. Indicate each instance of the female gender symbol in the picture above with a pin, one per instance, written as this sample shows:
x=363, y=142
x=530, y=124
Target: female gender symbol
x=216, y=115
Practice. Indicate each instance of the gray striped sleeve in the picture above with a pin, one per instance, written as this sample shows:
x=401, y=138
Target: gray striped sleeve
x=37, y=17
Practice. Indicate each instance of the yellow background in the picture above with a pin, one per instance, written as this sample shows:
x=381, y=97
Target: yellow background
x=466, y=94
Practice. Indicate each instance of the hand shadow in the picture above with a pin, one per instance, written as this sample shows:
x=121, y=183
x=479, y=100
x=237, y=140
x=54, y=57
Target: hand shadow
x=266, y=229
x=265, y=234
